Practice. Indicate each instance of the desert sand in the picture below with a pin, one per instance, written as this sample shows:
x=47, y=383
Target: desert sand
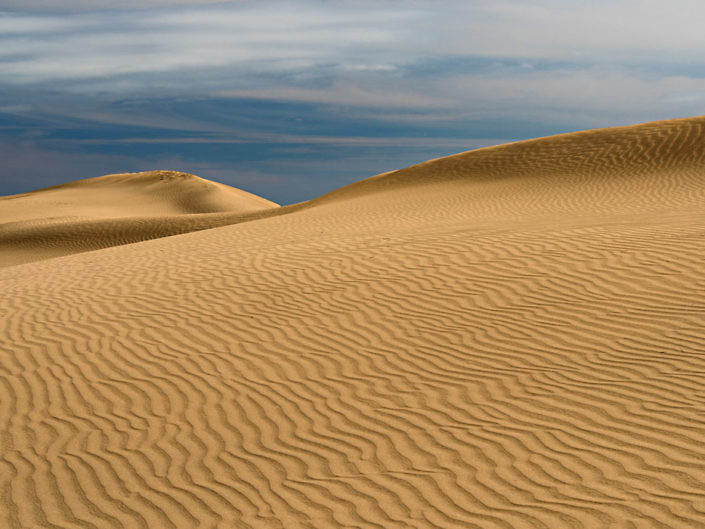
x=512, y=337
x=116, y=209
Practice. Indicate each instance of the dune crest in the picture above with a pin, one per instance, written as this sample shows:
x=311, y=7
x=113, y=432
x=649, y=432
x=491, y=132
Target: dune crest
x=599, y=157
x=511, y=338
x=132, y=195
x=116, y=209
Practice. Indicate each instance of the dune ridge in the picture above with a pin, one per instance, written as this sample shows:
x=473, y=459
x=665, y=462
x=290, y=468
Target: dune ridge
x=116, y=209
x=449, y=345
x=126, y=208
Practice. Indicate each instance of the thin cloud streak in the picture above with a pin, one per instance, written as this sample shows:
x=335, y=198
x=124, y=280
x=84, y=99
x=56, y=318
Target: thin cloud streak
x=93, y=5
x=448, y=143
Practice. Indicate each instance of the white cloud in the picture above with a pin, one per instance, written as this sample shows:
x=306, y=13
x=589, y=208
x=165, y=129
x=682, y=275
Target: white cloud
x=614, y=58
x=270, y=37
x=576, y=30
x=354, y=35
x=92, y=5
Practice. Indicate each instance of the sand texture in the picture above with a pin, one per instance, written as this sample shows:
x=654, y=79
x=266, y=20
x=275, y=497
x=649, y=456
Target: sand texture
x=507, y=338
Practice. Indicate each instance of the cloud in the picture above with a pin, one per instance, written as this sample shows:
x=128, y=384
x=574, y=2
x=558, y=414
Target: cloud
x=459, y=144
x=346, y=93
x=262, y=38
x=601, y=30
x=414, y=54
x=595, y=96
x=92, y=5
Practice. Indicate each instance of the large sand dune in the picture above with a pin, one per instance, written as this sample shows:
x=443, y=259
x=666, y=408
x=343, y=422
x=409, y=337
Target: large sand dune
x=512, y=337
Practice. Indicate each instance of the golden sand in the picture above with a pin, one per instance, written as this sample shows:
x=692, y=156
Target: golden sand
x=512, y=337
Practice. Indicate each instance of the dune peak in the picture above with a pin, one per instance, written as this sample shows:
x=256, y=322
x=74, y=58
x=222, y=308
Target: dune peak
x=116, y=209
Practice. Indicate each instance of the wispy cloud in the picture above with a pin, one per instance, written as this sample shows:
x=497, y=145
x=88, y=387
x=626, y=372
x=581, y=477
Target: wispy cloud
x=367, y=54
x=264, y=38
x=93, y=5
x=460, y=144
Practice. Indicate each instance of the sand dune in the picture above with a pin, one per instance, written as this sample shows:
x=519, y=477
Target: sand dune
x=116, y=209
x=512, y=337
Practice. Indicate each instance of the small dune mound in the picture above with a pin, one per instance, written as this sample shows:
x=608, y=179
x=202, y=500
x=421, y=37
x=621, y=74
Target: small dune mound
x=130, y=195
x=116, y=209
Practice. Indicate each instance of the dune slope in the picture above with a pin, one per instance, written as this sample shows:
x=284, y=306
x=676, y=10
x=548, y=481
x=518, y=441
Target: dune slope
x=116, y=209
x=507, y=338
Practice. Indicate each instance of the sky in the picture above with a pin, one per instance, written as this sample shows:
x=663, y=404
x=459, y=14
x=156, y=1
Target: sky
x=292, y=99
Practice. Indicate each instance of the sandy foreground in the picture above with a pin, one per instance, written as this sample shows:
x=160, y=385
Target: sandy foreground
x=512, y=337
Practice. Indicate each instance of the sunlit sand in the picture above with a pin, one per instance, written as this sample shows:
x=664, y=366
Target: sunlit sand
x=512, y=337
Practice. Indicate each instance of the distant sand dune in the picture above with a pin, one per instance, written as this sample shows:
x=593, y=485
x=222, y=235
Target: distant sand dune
x=116, y=209
x=512, y=337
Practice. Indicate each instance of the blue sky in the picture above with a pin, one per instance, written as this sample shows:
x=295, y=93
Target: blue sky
x=292, y=99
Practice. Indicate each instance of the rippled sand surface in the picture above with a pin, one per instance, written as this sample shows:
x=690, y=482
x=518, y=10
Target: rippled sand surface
x=507, y=338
